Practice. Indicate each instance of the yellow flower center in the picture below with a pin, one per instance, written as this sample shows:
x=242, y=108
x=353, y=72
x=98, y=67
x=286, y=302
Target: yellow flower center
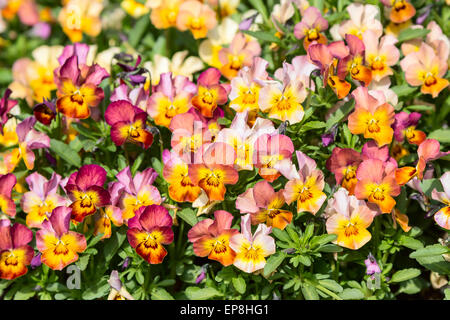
x=372, y=126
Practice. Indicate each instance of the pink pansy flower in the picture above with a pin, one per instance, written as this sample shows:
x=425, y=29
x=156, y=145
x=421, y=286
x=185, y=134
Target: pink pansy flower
x=211, y=238
x=5, y=106
x=212, y=126
x=245, y=87
x=428, y=150
x=380, y=54
x=242, y=138
x=305, y=186
x=172, y=96
x=299, y=69
x=376, y=183
x=442, y=217
x=128, y=123
x=150, y=228
x=349, y=219
x=283, y=99
x=7, y=205
x=240, y=53
x=136, y=96
x=138, y=191
x=251, y=250
x=343, y=164
x=362, y=18
x=370, y=150
x=405, y=126
x=438, y=41
x=210, y=92
x=264, y=206
x=15, y=253
x=42, y=198
x=78, y=84
x=310, y=27
x=426, y=69
x=189, y=135
x=59, y=246
x=85, y=189
x=269, y=150
x=29, y=140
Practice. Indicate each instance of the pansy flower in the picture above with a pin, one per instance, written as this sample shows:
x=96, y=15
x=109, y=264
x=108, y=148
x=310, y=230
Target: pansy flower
x=111, y=213
x=45, y=112
x=405, y=126
x=354, y=62
x=7, y=205
x=195, y=17
x=380, y=54
x=362, y=18
x=29, y=140
x=264, y=206
x=349, y=219
x=269, y=150
x=376, y=183
x=310, y=28
x=251, y=250
x=283, y=100
x=343, y=164
x=211, y=238
x=176, y=173
x=442, y=217
x=58, y=245
x=305, y=186
x=242, y=138
x=400, y=10
x=210, y=92
x=118, y=290
x=138, y=191
x=372, y=117
x=128, y=123
x=149, y=229
x=216, y=171
x=165, y=14
x=5, y=106
x=85, y=189
x=78, y=84
x=370, y=150
x=42, y=198
x=240, y=53
x=428, y=150
x=171, y=97
x=426, y=69
x=15, y=253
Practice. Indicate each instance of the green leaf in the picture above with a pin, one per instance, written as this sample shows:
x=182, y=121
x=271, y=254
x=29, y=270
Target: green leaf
x=413, y=286
x=309, y=292
x=420, y=108
x=63, y=150
x=403, y=90
x=405, y=274
x=87, y=132
x=239, y=284
x=188, y=215
x=431, y=250
x=83, y=261
x=331, y=284
x=322, y=239
x=410, y=242
x=137, y=163
x=196, y=293
x=339, y=114
x=93, y=241
x=409, y=34
x=260, y=7
x=98, y=290
x=160, y=294
x=312, y=125
x=281, y=235
x=330, y=248
x=351, y=294
x=441, y=135
x=262, y=35
x=114, y=243
x=273, y=262
x=138, y=31
x=305, y=260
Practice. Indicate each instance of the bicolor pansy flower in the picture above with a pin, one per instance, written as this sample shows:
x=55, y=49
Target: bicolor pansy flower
x=58, y=245
x=252, y=250
x=5, y=106
x=85, y=189
x=372, y=117
x=149, y=229
x=210, y=92
x=264, y=205
x=442, y=217
x=138, y=191
x=310, y=28
x=39, y=202
x=197, y=17
x=349, y=219
x=400, y=10
x=343, y=164
x=7, y=205
x=211, y=238
x=405, y=127
x=15, y=253
x=354, y=63
x=128, y=123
